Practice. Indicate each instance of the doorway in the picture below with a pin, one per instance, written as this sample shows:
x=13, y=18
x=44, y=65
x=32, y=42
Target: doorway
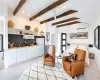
x=63, y=42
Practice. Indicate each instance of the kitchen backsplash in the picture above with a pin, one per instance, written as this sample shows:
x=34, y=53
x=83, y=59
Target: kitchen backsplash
x=19, y=41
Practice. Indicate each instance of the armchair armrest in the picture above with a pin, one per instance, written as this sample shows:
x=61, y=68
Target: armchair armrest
x=77, y=66
x=46, y=55
x=65, y=58
x=53, y=56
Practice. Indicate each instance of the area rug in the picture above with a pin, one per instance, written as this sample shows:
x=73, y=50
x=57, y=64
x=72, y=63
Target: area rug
x=38, y=71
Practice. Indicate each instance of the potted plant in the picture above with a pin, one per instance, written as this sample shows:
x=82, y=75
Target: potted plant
x=41, y=33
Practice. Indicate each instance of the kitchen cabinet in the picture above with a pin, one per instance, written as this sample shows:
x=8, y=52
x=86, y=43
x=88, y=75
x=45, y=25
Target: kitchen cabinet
x=21, y=55
x=10, y=57
x=40, y=50
x=29, y=53
x=32, y=52
x=17, y=55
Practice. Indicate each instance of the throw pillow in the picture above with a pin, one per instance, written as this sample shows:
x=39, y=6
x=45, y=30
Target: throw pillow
x=72, y=57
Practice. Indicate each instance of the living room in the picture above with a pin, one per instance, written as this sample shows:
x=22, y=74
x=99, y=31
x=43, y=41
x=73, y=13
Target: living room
x=49, y=40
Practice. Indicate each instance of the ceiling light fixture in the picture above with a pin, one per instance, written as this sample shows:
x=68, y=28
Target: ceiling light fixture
x=70, y=15
x=22, y=11
x=28, y=14
x=64, y=6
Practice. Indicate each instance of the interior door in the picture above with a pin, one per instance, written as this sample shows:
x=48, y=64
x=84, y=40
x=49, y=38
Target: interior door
x=63, y=42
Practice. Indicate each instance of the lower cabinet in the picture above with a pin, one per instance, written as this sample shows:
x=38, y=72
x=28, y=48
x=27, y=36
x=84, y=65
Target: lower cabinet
x=21, y=55
x=40, y=50
x=29, y=53
x=10, y=57
x=13, y=56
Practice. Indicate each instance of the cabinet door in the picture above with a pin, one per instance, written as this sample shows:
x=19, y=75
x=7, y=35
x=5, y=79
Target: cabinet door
x=35, y=51
x=10, y=57
x=29, y=53
x=40, y=50
x=21, y=55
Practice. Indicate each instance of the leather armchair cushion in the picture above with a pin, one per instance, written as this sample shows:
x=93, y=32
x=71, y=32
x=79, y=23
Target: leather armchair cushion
x=80, y=54
x=49, y=58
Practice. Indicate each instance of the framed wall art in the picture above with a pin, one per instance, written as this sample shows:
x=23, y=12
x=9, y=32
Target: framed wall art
x=82, y=35
x=79, y=35
x=47, y=36
x=73, y=35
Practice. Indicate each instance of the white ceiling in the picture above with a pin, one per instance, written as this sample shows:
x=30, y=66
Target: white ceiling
x=88, y=10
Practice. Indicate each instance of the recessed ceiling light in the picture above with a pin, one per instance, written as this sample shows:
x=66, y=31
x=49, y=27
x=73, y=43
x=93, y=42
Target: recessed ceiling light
x=70, y=15
x=28, y=14
x=64, y=6
x=33, y=5
x=22, y=11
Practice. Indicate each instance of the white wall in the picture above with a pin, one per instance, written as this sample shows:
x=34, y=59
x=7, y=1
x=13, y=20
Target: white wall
x=51, y=29
x=20, y=22
x=3, y=31
x=95, y=50
x=73, y=29
x=3, y=27
x=90, y=40
x=68, y=30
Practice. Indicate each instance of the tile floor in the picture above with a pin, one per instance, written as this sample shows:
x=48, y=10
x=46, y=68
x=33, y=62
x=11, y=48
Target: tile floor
x=38, y=71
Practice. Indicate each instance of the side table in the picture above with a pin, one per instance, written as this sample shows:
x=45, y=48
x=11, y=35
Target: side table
x=58, y=57
x=91, y=55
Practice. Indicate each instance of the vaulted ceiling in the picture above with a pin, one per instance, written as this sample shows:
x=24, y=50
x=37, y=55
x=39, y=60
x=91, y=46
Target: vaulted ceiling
x=88, y=10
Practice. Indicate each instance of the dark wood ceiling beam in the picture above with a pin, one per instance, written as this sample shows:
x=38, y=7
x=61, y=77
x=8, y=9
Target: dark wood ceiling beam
x=21, y=3
x=66, y=13
x=59, y=16
x=71, y=23
x=66, y=20
x=52, y=6
x=47, y=20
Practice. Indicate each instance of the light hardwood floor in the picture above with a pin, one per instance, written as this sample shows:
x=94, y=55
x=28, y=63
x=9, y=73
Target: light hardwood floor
x=91, y=72
x=13, y=73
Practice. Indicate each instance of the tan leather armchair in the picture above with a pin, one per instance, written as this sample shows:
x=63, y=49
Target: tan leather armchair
x=50, y=59
x=76, y=67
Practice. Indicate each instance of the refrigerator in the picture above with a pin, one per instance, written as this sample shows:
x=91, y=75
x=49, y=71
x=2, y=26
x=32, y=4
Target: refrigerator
x=1, y=53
